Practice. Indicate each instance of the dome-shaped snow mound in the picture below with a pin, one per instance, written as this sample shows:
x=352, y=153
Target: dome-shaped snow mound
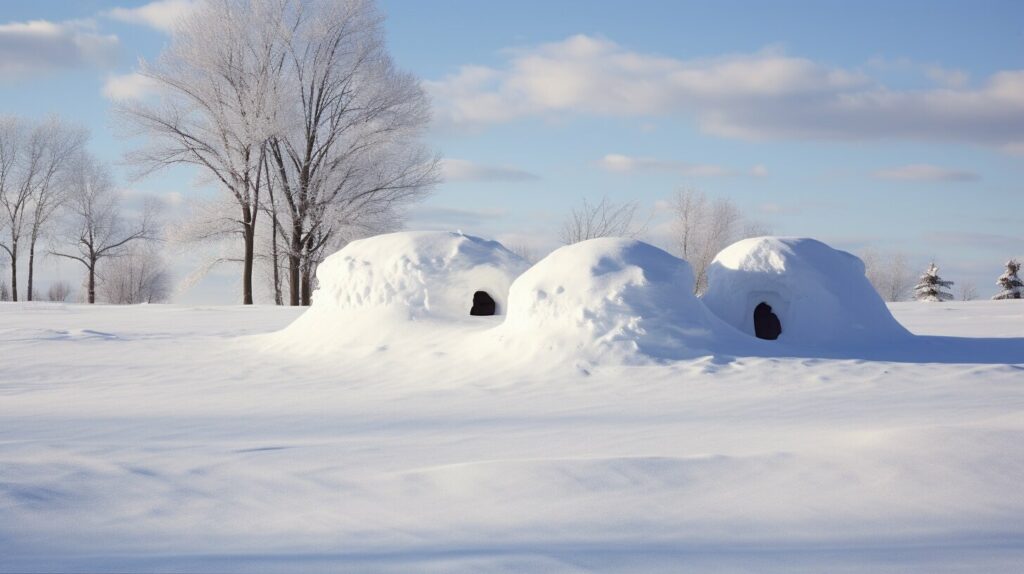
x=815, y=295
x=417, y=274
x=610, y=299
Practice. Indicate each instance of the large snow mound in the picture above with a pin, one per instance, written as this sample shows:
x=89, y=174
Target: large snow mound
x=610, y=299
x=416, y=274
x=819, y=294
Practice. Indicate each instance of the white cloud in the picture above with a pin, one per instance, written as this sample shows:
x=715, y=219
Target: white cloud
x=127, y=86
x=762, y=95
x=42, y=45
x=624, y=164
x=947, y=77
x=464, y=170
x=161, y=14
x=924, y=172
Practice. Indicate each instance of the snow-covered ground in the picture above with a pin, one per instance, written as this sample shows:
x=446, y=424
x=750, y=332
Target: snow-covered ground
x=169, y=438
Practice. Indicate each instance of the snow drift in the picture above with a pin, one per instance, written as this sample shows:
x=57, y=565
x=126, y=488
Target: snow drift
x=819, y=294
x=610, y=299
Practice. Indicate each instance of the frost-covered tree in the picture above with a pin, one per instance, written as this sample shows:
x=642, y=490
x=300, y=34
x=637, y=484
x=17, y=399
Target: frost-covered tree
x=967, y=291
x=5, y=292
x=701, y=227
x=138, y=276
x=217, y=86
x=34, y=161
x=889, y=274
x=1010, y=283
x=295, y=98
x=347, y=155
x=930, y=286
x=94, y=227
x=58, y=291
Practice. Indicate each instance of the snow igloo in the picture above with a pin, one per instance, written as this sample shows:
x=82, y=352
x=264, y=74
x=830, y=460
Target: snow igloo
x=799, y=291
x=610, y=299
x=418, y=274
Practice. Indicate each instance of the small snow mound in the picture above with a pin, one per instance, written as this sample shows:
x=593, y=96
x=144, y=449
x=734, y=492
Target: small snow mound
x=609, y=299
x=416, y=274
x=818, y=294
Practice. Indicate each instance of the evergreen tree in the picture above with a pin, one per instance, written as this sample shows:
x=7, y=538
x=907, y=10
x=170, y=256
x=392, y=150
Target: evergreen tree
x=930, y=286
x=1011, y=285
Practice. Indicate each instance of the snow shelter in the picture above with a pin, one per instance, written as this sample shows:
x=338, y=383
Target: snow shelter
x=419, y=274
x=610, y=300
x=798, y=291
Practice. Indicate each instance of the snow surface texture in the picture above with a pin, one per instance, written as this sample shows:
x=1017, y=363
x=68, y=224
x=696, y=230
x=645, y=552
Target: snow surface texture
x=163, y=439
x=819, y=294
x=611, y=300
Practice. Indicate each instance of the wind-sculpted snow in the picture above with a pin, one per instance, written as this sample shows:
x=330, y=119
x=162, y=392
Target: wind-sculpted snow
x=166, y=439
x=820, y=295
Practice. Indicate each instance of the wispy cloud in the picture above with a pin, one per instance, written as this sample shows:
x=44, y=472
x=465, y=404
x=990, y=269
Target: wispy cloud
x=127, y=86
x=440, y=217
x=763, y=95
x=464, y=170
x=924, y=172
x=42, y=45
x=625, y=164
x=161, y=14
x=947, y=77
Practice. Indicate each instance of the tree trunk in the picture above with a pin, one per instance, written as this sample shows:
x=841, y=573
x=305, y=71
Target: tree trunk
x=92, y=282
x=14, y=273
x=278, y=297
x=294, y=267
x=31, y=266
x=307, y=284
x=247, y=266
x=249, y=236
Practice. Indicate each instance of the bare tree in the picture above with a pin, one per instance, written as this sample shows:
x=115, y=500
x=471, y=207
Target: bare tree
x=33, y=159
x=5, y=292
x=61, y=142
x=968, y=291
x=701, y=227
x=603, y=219
x=889, y=273
x=527, y=253
x=349, y=155
x=218, y=85
x=138, y=276
x=94, y=226
x=58, y=291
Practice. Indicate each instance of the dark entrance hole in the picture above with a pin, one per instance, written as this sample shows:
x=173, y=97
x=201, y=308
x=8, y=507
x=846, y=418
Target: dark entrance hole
x=766, y=323
x=482, y=304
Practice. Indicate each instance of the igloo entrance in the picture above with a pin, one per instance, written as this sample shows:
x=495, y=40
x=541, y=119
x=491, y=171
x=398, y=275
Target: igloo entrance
x=766, y=323
x=483, y=304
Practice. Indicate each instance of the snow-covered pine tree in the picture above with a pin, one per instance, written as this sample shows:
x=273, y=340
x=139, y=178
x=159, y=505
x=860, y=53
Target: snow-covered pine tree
x=930, y=286
x=1011, y=285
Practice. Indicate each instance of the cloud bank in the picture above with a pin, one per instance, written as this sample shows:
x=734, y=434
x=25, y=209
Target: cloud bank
x=763, y=95
x=42, y=45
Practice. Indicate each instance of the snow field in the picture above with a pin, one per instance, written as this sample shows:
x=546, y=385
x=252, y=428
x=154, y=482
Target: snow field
x=167, y=438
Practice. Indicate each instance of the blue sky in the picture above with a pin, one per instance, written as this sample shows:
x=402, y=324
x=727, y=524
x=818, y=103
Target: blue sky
x=892, y=125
